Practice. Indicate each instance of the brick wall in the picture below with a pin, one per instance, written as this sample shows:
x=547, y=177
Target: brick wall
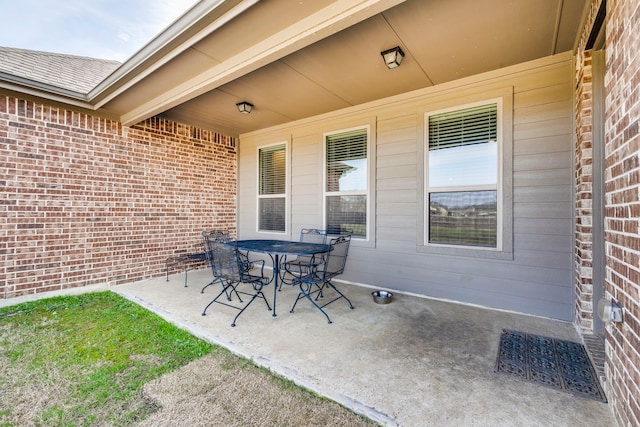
x=622, y=197
x=622, y=201
x=583, y=256
x=86, y=201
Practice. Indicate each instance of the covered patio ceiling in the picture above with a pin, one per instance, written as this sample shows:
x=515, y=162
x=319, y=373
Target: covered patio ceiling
x=294, y=59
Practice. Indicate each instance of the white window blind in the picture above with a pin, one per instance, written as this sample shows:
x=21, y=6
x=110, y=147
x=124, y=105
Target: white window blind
x=273, y=173
x=469, y=126
x=347, y=161
x=272, y=183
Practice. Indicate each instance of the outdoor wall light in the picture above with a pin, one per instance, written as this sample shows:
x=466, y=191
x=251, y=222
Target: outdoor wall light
x=609, y=311
x=393, y=57
x=244, y=107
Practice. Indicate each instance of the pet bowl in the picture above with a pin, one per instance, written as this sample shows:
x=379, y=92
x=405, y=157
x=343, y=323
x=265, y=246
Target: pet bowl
x=382, y=297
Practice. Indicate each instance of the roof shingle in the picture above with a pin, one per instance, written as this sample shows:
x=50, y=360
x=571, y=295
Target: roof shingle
x=73, y=73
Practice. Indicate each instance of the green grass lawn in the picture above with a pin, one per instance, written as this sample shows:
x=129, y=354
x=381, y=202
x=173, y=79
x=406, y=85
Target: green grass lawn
x=100, y=360
x=82, y=360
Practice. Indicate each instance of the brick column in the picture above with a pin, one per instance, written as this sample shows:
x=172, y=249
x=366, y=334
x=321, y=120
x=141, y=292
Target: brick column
x=584, y=194
x=622, y=199
x=622, y=206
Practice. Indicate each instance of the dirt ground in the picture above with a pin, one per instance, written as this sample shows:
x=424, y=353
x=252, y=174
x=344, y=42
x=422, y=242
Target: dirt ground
x=221, y=390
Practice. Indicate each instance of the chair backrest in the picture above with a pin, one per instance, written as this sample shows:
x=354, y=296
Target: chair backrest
x=214, y=235
x=226, y=262
x=313, y=235
x=208, y=238
x=337, y=258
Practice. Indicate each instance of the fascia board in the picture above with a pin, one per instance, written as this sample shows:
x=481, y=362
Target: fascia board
x=141, y=64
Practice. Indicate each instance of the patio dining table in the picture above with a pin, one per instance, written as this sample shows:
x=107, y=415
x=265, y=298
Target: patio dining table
x=277, y=248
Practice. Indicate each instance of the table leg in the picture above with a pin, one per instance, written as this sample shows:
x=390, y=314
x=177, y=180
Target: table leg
x=276, y=273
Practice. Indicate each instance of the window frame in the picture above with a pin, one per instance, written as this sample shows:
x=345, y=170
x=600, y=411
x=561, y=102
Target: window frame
x=503, y=98
x=284, y=195
x=367, y=193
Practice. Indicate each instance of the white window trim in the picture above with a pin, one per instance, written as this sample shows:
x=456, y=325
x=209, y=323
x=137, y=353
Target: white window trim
x=504, y=186
x=368, y=193
x=268, y=196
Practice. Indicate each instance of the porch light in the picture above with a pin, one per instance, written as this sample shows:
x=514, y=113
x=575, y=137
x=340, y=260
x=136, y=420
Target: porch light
x=244, y=107
x=393, y=57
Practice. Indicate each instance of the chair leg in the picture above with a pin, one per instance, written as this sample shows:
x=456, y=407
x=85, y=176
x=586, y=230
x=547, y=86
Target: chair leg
x=305, y=293
x=283, y=274
x=228, y=294
x=225, y=289
x=258, y=294
x=204, y=312
x=215, y=279
x=329, y=284
x=171, y=262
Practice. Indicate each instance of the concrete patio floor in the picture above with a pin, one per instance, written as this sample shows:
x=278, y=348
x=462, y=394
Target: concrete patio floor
x=413, y=362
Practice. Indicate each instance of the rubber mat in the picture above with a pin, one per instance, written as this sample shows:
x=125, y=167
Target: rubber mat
x=560, y=364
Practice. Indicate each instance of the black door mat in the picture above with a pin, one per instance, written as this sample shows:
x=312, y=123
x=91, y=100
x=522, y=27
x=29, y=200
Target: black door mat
x=560, y=364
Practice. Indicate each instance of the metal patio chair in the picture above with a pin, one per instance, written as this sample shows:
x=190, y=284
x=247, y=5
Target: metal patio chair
x=208, y=237
x=302, y=264
x=186, y=261
x=313, y=283
x=230, y=267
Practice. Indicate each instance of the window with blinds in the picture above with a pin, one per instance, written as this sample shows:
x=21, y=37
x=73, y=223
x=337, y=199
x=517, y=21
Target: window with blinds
x=476, y=125
x=462, y=178
x=346, y=182
x=272, y=188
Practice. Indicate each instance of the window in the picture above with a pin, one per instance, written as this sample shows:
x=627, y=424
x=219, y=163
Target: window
x=272, y=188
x=463, y=176
x=347, y=177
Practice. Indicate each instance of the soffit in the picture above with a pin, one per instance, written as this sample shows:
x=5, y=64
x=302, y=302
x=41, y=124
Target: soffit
x=340, y=65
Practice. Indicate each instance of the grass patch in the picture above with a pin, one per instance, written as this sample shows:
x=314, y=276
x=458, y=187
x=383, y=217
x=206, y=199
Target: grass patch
x=99, y=359
x=82, y=360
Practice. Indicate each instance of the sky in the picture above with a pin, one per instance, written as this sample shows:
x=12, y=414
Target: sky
x=105, y=29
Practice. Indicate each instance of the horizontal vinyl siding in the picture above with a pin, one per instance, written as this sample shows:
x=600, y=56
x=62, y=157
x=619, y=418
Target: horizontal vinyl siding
x=306, y=184
x=396, y=186
x=538, y=280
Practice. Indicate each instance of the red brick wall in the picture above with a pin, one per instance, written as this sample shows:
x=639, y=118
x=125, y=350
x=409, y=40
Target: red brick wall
x=86, y=201
x=583, y=256
x=622, y=201
x=622, y=198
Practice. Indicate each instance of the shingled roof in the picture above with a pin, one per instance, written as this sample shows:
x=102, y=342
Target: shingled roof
x=71, y=73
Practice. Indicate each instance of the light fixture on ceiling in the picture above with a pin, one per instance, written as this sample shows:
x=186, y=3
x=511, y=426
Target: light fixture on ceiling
x=244, y=107
x=393, y=57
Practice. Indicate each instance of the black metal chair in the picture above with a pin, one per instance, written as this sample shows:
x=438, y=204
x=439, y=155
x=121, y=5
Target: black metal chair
x=211, y=236
x=303, y=264
x=315, y=282
x=229, y=266
x=208, y=237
